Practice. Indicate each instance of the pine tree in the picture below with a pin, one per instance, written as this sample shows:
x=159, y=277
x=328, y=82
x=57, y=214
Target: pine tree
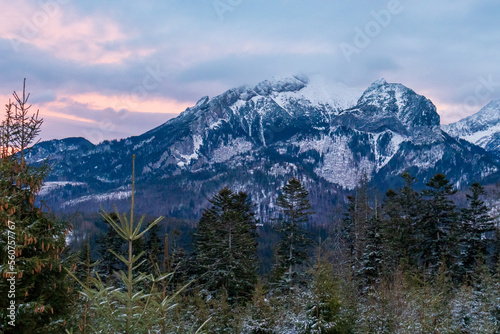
x=475, y=224
x=44, y=296
x=438, y=227
x=226, y=246
x=292, y=247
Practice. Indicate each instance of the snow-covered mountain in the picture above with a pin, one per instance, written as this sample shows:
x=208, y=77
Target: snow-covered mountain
x=255, y=138
x=482, y=128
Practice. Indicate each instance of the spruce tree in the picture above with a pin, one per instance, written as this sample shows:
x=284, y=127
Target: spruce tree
x=356, y=224
x=438, y=228
x=475, y=224
x=373, y=256
x=400, y=214
x=44, y=297
x=226, y=246
x=348, y=226
x=292, y=247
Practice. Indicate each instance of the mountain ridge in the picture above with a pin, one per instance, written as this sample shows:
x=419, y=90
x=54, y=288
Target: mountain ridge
x=253, y=139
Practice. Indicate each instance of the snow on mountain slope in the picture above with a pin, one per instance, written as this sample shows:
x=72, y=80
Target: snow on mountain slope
x=317, y=92
x=482, y=128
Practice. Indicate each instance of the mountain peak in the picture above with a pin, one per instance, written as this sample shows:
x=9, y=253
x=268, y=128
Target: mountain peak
x=379, y=82
x=481, y=128
x=490, y=113
x=383, y=100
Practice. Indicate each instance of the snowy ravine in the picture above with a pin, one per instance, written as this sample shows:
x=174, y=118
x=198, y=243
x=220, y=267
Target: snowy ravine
x=255, y=138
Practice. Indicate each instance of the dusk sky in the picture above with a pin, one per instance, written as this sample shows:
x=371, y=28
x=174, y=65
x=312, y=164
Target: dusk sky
x=112, y=69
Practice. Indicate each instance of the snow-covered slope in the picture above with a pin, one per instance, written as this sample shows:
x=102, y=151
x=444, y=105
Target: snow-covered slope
x=482, y=128
x=255, y=138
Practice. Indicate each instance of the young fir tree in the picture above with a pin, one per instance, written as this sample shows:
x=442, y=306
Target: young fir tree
x=132, y=306
x=292, y=247
x=226, y=246
x=476, y=223
x=438, y=227
x=43, y=294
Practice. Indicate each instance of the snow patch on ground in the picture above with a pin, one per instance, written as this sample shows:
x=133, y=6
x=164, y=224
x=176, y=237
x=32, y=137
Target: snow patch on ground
x=494, y=206
x=237, y=106
x=103, y=179
x=116, y=195
x=50, y=186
